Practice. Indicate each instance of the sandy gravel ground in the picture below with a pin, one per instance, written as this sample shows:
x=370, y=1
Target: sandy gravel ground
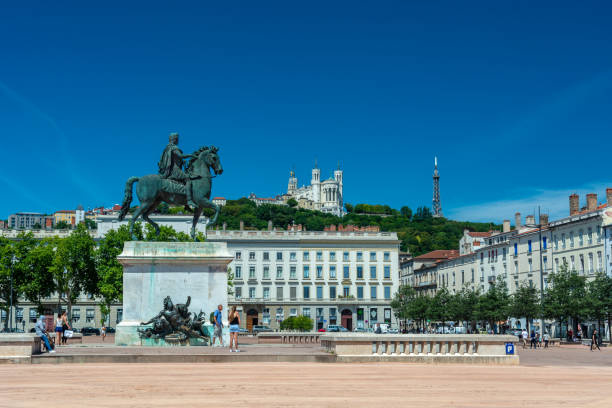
x=303, y=385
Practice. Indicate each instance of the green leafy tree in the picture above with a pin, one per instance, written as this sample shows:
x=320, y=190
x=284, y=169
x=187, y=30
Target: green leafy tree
x=419, y=309
x=565, y=297
x=36, y=226
x=406, y=212
x=348, y=207
x=61, y=225
x=525, y=303
x=74, y=267
x=401, y=303
x=38, y=283
x=9, y=272
x=463, y=304
x=297, y=323
x=90, y=224
x=292, y=202
x=439, y=307
x=494, y=305
x=599, y=299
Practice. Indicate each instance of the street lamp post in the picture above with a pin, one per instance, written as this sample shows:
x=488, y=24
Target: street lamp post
x=10, y=316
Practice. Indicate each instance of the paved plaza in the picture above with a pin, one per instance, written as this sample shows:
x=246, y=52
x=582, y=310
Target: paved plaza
x=558, y=377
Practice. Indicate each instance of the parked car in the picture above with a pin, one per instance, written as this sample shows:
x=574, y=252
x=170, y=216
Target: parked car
x=335, y=328
x=360, y=330
x=322, y=329
x=261, y=329
x=393, y=331
x=89, y=331
x=242, y=331
x=110, y=330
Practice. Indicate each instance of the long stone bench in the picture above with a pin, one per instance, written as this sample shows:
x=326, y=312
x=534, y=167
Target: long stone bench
x=19, y=347
x=289, y=338
x=424, y=348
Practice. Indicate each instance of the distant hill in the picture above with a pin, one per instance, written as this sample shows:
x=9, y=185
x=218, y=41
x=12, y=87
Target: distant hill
x=419, y=232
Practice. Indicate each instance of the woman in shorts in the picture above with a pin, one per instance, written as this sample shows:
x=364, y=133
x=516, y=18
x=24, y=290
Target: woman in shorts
x=234, y=328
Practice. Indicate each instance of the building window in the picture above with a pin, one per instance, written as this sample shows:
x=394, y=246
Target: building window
x=306, y=256
x=332, y=315
x=472, y=275
x=544, y=242
x=90, y=315
x=373, y=315
x=387, y=292
x=251, y=272
x=332, y=256
x=556, y=265
x=306, y=272
x=319, y=256
x=266, y=293
x=332, y=292
x=279, y=256
x=372, y=292
x=573, y=264
x=372, y=256
x=279, y=272
x=293, y=292
x=530, y=265
x=359, y=292
x=119, y=315
x=515, y=249
x=346, y=291
x=292, y=272
x=292, y=256
x=238, y=292
x=529, y=246
x=462, y=277
x=306, y=292
x=387, y=256
x=33, y=315
x=319, y=272
x=319, y=292
x=599, y=233
x=346, y=273
x=571, y=239
x=516, y=271
x=251, y=256
x=590, y=262
x=266, y=256
x=18, y=314
x=266, y=316
x=238, y=272
x=360, y=272
x=76, y=315
x=306, y=311
x=266, y=272
x=372, y=272
x=279, y=293
x=238, y=255
x=590, y=237
x=359, y=256
x=580, y=240
x=332, y=272
x=599, y=262
x=251, y=293
x=345, y=256
x=387, y=271
x=545, y=262
x=293, y=312
x=563, y=244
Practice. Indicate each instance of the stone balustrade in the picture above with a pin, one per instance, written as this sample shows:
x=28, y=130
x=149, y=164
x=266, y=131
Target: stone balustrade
x=425, y=348
x=289, y=338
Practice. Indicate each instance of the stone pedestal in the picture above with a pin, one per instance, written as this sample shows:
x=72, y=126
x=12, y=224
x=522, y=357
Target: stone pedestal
x=154, y=270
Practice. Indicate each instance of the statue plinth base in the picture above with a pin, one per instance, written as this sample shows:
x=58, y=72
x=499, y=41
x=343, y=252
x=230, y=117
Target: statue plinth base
x=154, y=270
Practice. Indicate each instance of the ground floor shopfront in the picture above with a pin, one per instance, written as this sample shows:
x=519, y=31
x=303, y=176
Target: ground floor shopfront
x=350, y=315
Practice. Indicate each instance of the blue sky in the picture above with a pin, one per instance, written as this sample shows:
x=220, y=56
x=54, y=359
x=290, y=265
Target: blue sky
x=515, y=99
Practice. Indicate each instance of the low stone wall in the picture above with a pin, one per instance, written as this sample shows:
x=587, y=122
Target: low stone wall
x=19, y=346
x=424, y=348
x=289, y=338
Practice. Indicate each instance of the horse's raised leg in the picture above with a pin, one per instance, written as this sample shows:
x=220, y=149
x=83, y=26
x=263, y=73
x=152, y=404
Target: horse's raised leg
x=196, y=216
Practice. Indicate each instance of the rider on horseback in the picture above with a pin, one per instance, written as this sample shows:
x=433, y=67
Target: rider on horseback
x=171, y=166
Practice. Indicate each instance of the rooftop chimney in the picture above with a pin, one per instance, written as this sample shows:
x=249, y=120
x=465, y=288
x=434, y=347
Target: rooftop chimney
x=241, y=225
x=609, y=196
x=543, y=219
x=506, y=226
x=591, y=202
x=530, y=220
x=574, y=201
x=517, y=221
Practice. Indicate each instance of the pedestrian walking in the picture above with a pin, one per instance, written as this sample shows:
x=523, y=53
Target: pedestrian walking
x=41, y=332
x=533, y=340
x=218, y=317
x=524, y=336
x=103, y=332
x=234, y=328
x=570, y=335
x=546, y=339
x=65, y=326
x=59, y=328
x=594, y=340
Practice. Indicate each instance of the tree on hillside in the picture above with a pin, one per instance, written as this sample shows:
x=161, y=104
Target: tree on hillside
x=525, y=303
x=74, y=267
x=565, y=297
x=292, y=202
x=348, y=207
x=406, y=212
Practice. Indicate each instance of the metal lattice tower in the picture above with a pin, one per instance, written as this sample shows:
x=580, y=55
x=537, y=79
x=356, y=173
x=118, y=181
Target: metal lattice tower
x=437, y=206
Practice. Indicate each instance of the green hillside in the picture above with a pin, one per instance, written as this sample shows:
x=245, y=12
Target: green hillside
x=419, y=232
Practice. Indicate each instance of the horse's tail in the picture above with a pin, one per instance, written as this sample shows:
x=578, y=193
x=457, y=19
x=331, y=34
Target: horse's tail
x=127, y=199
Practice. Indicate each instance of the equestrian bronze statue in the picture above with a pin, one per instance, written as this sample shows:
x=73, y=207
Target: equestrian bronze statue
x=175, y=184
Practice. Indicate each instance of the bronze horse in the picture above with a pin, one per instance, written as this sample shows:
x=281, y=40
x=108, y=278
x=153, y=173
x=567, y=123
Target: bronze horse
x=152, y=190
